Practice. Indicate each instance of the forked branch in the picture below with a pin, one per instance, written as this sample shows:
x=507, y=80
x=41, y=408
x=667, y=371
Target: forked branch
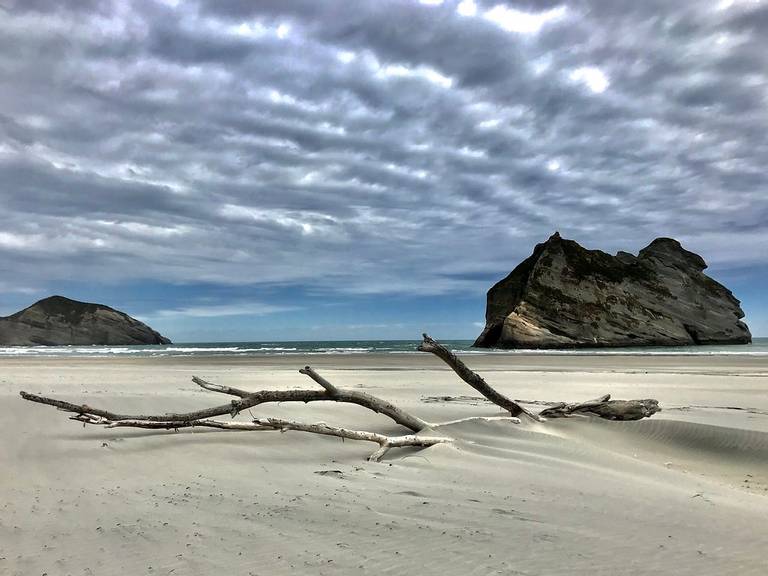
x=248, y=400
x=603, y=407
x=384, y=442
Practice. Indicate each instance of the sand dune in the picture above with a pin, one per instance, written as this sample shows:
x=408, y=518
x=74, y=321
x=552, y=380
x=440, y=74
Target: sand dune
x=683, y=493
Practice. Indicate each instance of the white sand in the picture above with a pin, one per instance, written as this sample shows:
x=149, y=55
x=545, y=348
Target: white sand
x=685, y=492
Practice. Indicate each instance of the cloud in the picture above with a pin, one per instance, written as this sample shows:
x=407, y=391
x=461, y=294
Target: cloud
x=521, y=22
x=373, y=147
x=222, y=310
x=592, y=77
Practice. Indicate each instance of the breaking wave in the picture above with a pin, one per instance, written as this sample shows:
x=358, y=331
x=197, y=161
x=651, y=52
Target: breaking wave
x=758, y=348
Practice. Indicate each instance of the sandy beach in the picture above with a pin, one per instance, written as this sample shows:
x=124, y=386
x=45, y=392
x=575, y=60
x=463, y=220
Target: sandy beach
x=685, y=492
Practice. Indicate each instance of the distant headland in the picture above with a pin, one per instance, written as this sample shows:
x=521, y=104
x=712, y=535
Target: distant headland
x=60, y=321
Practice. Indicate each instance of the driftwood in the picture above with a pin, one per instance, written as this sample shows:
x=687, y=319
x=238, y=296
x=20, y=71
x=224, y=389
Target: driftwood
x=602, y=407
x=472, y=378
x=606, y=408
x=384, y=442
x=249, y=400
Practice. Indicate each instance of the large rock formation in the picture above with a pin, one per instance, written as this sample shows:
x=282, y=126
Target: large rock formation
x=564, y=296
x=59, y=321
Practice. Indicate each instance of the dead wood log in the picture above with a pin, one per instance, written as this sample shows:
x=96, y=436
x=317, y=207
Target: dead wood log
x=603, y=407
x=384, y=442
x=168, y=424
x=606, y=408
x=472, y=378
x=248, y=400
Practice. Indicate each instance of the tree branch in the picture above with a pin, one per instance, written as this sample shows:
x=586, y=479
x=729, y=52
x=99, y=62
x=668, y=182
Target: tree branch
x=472, y=378
x=219, y=388
x=169, y=424
x=309, y=371
x=384, y=442
x=249, y=400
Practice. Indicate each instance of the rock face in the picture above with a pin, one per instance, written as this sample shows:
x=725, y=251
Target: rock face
x=564, y=296
x=59, y=321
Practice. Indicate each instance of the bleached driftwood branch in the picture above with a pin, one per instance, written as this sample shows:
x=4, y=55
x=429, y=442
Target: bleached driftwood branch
x=330, y=388
x=384, y=442
x=472, y=378
x=168, y=424
x=205, y=418
x=602, y=407
x=249, y=400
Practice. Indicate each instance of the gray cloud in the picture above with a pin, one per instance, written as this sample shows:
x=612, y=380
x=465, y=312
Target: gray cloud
x=373, y=146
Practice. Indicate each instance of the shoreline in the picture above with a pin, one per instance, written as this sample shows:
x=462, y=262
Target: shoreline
x=421, y=361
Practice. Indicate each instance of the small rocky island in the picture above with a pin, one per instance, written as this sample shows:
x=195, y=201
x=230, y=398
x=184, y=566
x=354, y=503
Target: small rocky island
x=59, y=321
x=565, y=296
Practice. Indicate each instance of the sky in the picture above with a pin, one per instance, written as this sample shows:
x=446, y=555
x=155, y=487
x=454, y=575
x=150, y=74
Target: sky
x=232, y=170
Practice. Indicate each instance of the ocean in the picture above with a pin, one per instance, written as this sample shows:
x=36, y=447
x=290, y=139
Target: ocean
x=758, y=348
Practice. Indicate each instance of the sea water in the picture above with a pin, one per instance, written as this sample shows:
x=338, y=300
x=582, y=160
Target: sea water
x=758, y=348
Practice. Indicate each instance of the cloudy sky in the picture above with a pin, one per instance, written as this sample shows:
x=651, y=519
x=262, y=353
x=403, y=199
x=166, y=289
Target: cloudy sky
x=272, y=169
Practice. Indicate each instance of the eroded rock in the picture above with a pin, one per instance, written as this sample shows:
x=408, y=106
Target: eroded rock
x=565, y=296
